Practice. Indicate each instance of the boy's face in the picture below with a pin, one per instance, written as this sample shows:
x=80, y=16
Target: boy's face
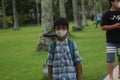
x=115, y=3
x=61, y=30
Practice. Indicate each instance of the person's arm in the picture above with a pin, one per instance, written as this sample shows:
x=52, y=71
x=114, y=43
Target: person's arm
x=79, y=71
x=110, y=27
x=77, y=61
x=49, y=72
x=50, y=61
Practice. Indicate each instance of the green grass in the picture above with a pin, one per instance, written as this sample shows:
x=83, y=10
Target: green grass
x=19, y=59
x=91, y=44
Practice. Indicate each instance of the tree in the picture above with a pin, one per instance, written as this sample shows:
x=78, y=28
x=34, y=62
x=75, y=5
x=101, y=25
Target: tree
x=100, y=6
x=94, y=2
x=24, y=8
x=16, y=25
x=47, y=23
x=76, y=14
x=89, y=8
x=84, y=20
x=4, y=15
x=62, y=8
x=38, y=14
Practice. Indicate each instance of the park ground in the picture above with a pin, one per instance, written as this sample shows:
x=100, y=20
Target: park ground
x=19, y=59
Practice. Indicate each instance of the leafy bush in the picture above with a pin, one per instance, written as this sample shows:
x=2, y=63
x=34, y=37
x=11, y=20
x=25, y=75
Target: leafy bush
x=23, y=19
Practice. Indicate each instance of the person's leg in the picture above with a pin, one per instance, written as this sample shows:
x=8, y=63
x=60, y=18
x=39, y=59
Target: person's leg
x=110, y=70
x=110, y=62
x=110, y=57
x=118, y=65
x=118, y=54
x=97, y=24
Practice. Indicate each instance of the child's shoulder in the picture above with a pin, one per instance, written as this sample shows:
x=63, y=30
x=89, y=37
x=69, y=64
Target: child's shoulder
x=71, y=40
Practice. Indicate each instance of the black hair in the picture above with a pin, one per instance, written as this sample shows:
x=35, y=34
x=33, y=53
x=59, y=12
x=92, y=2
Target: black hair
x=61, y=21
x=110, y=2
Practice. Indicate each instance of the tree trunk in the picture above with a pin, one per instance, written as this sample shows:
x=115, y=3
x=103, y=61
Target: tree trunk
x=62, y=8
x=100, y=6
x=94, y=10
x=76, y=14
x=16, y=25
x=4, y=15
x=38, y=14
x=47, y=23
x=84, y=20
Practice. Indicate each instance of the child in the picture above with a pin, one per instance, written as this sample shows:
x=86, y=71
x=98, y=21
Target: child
x=61, y=65
x=111, y=24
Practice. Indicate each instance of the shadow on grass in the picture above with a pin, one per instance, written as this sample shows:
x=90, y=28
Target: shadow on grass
x=44, y=77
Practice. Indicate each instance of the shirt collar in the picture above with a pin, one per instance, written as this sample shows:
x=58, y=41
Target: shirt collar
x=65, y=41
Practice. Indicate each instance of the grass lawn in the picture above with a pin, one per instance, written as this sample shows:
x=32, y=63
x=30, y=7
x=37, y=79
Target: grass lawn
x=19, y=59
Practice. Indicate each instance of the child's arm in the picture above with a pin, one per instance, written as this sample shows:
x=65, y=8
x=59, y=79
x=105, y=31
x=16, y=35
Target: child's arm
x=50, y=61
x=79, y=71
x=77, y=63
x=49, y=72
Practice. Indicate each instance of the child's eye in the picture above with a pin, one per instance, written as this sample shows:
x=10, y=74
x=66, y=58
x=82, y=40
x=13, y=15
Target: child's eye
x=64, y=27
x=61, y=27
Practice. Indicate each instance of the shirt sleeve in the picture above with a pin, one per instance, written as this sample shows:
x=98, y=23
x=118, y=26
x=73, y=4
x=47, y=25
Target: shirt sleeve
x=77, y=57
x=50, y=55
x=104, y=21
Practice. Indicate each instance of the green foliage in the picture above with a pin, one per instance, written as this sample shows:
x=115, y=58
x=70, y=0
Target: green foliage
x=23, y=19
x=9, y=20
x=19, y=59
x=105, y=5
x=23, y=8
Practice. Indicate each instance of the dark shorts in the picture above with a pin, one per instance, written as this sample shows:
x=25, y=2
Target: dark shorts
x=111, y=50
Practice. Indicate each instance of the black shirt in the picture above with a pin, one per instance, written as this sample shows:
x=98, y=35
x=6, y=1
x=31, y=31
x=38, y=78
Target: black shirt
x=110, y=18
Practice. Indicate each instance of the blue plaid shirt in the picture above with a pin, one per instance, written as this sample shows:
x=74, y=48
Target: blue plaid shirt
x=63, y=65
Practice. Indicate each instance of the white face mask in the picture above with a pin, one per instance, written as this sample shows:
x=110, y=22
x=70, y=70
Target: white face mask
x=61, y=33
x=118, y=5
